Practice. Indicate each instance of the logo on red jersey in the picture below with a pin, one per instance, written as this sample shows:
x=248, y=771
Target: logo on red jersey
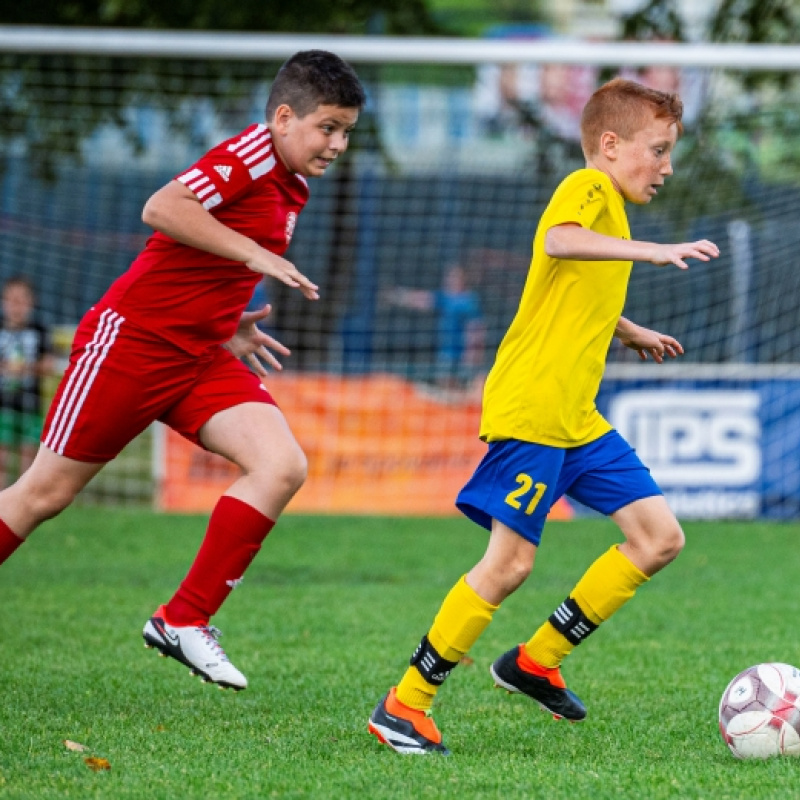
x=291, y=221
x=224, y=171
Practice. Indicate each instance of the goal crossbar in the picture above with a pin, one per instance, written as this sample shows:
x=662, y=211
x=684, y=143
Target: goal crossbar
x=427, y=50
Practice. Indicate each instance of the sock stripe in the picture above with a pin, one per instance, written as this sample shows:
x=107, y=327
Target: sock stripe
x=570, y=621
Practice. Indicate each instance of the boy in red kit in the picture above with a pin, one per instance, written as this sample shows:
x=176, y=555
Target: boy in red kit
x=165, y=340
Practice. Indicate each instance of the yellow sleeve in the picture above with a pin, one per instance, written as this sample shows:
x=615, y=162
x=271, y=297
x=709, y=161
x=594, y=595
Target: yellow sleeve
x=580, y=199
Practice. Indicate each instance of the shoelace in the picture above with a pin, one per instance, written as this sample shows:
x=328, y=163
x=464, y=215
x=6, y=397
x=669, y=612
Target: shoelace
x=212, y=635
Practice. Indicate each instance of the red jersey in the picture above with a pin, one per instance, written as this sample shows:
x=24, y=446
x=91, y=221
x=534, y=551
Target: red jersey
x=192, y=298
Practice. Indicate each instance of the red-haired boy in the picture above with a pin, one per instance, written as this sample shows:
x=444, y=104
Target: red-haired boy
x=546, y=437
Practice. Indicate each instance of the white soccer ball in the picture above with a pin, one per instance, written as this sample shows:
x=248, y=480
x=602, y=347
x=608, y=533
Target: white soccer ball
x=759, y=713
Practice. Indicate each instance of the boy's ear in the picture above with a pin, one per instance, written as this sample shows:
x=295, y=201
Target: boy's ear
x=609, y=145
x=281, y=118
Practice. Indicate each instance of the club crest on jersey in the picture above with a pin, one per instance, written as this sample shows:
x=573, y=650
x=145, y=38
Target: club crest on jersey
x=291, y=221
x=225, y=171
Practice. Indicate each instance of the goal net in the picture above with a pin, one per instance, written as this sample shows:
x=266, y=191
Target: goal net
x=420, y=240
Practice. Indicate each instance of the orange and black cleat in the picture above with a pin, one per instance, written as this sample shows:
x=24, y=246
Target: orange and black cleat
x=406, y=730
x=547, y=689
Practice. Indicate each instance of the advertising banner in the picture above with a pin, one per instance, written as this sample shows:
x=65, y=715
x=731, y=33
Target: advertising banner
x=375, y=445
x=718, y=447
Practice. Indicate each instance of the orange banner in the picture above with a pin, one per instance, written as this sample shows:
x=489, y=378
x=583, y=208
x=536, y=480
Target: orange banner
x=375, y=445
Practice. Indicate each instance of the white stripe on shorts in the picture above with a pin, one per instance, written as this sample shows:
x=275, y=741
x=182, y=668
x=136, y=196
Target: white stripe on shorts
x=81, y=380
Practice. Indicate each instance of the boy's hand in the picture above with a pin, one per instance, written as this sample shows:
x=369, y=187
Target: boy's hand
x=267, y=263
x=251, y=343
x=676, y=253
x=645, y=341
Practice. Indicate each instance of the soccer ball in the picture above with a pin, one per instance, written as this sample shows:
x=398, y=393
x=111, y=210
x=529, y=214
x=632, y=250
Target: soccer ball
x=759, y=713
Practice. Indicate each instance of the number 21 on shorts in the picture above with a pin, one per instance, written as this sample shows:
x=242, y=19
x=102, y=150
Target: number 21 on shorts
x=523, y=491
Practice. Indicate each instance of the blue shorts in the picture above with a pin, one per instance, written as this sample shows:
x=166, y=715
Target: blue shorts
x=518, y=482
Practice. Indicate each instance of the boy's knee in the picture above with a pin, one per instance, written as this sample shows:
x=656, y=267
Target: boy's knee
x=298, y=470
x=293, y=471
x=518, y=571
x=668, y=543
x=674, y=540
x=507, y=576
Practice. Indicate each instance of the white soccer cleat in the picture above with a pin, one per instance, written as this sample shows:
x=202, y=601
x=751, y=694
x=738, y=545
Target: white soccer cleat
x=197, y=647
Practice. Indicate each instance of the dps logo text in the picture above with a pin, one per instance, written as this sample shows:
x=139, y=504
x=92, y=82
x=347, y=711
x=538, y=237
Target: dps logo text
x=702, y=447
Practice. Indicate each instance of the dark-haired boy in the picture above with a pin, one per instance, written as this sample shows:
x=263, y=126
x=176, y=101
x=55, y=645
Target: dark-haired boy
x=546, y=437
x=165, y=343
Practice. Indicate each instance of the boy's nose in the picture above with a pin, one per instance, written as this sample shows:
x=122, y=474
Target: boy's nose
x=339, y=143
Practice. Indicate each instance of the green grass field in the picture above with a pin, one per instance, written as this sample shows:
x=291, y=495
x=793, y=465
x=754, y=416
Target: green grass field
x=324, y=624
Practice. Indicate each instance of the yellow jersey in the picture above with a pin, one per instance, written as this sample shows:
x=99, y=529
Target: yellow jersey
x=547, y=372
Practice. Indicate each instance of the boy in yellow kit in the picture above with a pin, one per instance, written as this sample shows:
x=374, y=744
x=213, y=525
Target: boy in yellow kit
x=546, y=437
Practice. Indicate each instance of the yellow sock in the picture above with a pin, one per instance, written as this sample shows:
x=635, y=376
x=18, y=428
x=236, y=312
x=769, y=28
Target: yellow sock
x=604, y=588
x=462, y=618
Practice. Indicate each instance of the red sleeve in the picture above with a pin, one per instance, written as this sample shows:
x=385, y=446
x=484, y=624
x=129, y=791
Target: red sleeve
x=228, y=170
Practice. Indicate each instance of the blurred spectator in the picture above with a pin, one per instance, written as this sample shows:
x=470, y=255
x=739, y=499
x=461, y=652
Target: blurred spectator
x=460, y=330
x=548, y=99
x=690, y=84
x=533, y=97
x=25, y=358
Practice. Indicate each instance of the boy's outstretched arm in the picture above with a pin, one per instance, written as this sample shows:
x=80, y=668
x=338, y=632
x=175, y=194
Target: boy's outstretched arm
x=645, y=341
x=571, y=241
x=175, y=211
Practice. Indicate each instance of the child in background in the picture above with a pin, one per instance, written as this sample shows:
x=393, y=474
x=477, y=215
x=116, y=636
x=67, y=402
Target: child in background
x=460, y=330
x=25, y=358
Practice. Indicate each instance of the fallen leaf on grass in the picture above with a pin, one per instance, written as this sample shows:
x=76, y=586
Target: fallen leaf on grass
x=76, y=747
x=466, y=661
x=96, y=764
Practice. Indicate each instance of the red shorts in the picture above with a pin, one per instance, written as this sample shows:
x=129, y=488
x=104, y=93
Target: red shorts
x=120, y=380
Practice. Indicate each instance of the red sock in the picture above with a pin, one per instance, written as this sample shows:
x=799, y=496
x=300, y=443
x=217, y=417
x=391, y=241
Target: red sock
x=9, y=541
x=234, y=536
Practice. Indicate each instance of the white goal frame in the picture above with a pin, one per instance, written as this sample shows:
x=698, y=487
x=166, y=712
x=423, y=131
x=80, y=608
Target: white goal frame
x=395, y=49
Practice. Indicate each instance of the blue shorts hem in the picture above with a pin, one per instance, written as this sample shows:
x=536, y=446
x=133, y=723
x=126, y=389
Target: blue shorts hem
x=485, y=518
x=628, y=500
x=476, y=515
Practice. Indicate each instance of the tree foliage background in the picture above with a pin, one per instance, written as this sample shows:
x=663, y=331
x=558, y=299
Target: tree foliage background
x=55, y=102
x=306, y=16
x=750, y=133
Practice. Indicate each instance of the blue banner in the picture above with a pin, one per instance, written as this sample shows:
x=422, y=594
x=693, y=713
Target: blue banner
x=721, y=448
